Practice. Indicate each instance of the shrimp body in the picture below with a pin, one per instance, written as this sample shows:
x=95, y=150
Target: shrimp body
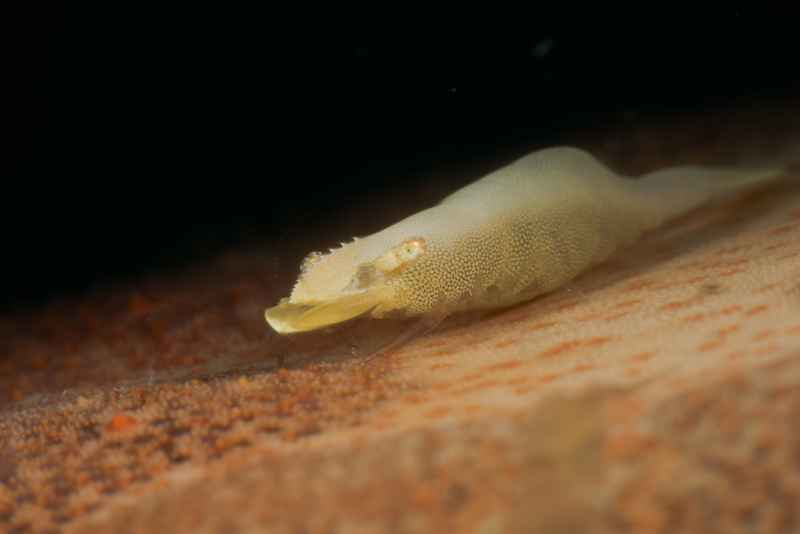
x=519, y=232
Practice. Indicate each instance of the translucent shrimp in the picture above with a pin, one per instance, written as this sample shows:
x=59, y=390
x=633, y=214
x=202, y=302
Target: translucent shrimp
x=519, y=232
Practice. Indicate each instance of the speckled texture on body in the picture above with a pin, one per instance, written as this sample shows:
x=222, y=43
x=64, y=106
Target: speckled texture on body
x=519, y=232
x=654, y=394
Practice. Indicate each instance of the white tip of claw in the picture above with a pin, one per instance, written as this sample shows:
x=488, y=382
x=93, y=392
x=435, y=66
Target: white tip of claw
x=289, y=318
x=278, y=325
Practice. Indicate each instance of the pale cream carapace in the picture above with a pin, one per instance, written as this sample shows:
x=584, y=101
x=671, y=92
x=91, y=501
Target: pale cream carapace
x=519, y=232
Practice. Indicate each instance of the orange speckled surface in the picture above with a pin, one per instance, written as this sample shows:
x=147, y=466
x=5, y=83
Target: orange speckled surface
x=654, y=394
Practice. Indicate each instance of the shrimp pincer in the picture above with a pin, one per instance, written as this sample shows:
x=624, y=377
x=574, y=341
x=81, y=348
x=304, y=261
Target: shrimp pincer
x=519, y=232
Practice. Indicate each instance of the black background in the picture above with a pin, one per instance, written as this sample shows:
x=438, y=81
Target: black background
x=145, y=136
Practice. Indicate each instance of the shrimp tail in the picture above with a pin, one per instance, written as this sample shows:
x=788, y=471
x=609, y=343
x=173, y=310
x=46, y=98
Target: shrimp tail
x=674, y=191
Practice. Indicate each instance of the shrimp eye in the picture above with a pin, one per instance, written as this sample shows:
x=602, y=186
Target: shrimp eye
x=401, y=256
